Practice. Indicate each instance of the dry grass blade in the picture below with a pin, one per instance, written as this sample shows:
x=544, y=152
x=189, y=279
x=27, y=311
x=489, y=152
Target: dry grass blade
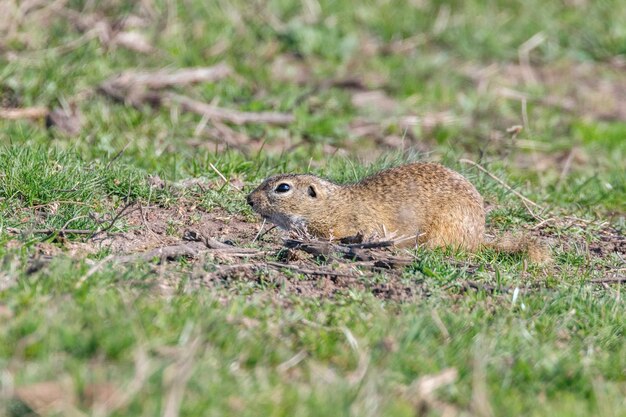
x=428, y=384
x=122, y=397
x=480, y=403
x=524, y=56
x=23, y=113
x=92, y=271
x=176, y=376
x=156, y=80
x=508, y=187
x=422, y=393
x=256, y=237
x=224, y=179
x=134, y=41
x=60, y=232
x=293, y=361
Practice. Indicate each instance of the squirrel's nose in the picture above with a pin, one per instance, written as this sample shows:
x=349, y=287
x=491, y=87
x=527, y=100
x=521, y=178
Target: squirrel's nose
x=249, y=200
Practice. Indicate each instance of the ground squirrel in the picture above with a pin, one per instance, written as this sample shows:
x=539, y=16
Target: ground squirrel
x=425, y=202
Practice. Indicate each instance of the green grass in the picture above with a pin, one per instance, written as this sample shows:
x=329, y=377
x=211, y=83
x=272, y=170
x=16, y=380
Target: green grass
x=556, y=348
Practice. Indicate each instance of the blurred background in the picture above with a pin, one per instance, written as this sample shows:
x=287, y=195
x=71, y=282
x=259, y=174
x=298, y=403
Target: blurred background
x=535, y=87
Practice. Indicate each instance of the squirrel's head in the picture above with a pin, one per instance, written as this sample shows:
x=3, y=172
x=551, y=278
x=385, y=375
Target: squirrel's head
x=291, y=201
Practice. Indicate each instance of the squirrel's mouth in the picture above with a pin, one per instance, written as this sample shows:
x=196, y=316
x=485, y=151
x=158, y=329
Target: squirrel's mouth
x=285, y=221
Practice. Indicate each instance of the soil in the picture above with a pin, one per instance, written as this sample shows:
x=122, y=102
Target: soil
x=296, y=273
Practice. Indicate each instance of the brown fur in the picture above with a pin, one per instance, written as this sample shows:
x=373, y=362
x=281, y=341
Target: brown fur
x=428, y=201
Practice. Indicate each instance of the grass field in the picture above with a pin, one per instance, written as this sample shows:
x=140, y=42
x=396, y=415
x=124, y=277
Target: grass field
x=92, y=179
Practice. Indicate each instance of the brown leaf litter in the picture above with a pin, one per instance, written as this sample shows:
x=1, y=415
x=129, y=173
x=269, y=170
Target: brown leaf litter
x=590, y=90
x=66, y=119
x=139, y=88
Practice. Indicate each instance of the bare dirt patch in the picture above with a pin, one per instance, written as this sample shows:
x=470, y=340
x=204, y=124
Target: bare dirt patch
x=308, y=279
x=159, y=226
x=609, y=241
x=221, y=253
x=607, y=238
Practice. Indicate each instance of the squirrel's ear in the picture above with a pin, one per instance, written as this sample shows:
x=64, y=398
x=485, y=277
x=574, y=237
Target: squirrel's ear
x=312, y=191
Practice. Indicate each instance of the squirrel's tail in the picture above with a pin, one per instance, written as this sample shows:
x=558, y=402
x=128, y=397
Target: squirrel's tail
x=535, y=249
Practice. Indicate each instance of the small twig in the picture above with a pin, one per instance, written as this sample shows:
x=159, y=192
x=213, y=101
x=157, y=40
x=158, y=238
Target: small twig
x=141, y=88
x=267, y=231
x=115, y=219
x=524, y=56
x=226, y=268
x=566, y=166
x=505, y=185
x=328, y=249
x=145, y=223
x=221, y=133
x=372, y=245
x=116, y=156
x=210, y=243
x=321, y=272
x=585, y=221
x=567, y=105
x=200, y=126
x=229, y=115
x=473, y=285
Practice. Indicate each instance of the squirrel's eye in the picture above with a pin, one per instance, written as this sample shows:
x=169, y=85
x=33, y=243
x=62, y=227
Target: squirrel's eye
x=282, y=188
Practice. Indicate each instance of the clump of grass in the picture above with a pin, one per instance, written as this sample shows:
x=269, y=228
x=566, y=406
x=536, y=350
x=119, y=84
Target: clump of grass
x=52, y=188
